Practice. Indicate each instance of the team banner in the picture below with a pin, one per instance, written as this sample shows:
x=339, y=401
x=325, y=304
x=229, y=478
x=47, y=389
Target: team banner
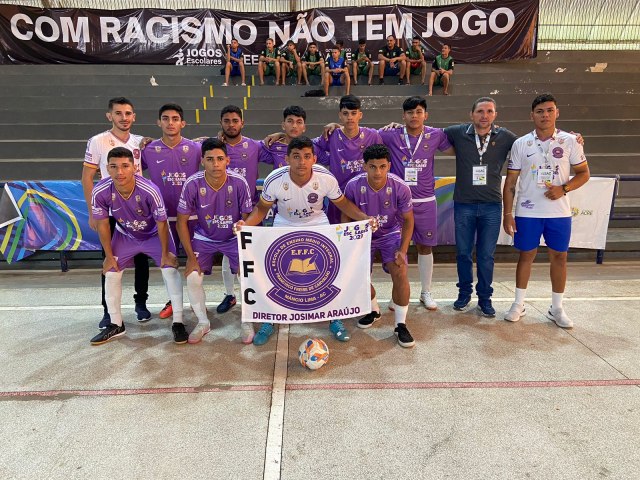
x=44, y=216
x=477, y=32
x=305, y=274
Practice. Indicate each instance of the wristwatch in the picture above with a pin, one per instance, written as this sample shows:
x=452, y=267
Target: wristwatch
x=565, y=188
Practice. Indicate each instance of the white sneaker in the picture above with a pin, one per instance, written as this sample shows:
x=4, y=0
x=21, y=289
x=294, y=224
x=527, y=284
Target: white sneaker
x=515, y=312
x=224, y=84
x=200, y=331
x=561, y=318
x=392, y=306
x=247, y=332
x=425, y=298
x=243, y=84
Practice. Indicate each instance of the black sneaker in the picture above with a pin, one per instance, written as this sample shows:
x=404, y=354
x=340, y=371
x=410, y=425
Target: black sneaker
x=228, y=302
x=381, y=81
x=368, y=319
x=486, y=308
x=404, y=337
x=108, y=333
x=180, y=334
x=462, y=301
x=104, y=323
x=144, y=315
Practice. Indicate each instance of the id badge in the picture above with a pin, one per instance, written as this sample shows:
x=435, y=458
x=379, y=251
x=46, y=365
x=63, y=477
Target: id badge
x=545, y=176
x=411, y=176
x=479, y=175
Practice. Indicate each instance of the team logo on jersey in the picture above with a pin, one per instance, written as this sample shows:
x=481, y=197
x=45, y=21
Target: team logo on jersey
x=285, y=186
x=361, y=147
x=427, y=136
x=302, y=267
x=228, y=203
x=203, y=191
x=529, y=143
x=139, y=211
x=561, y=141
x=429, y=234
x=387, y=204
x=493, y=144
x=389, y=190
x=113, y=197
x=557, y=152
x=315, y=185
x=111, y=142
x=245, y=144
x=185, y=148
x=183, y=160
x=361, y=135
x=138, y=198
x=363, y=189
x=230, y=189
x=312, y=198
x=136, y=153
x=426, y=146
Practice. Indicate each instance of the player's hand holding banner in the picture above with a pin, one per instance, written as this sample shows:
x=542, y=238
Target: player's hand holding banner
x=313, y=274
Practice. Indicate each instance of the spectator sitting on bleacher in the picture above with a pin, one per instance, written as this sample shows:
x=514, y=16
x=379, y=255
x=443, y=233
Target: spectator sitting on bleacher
x=441, y=70
x=417, y=63
x=362, y=64
x=290, y=63
x=235, y=63
x=392, y=61
x=312, y=63
x=336, y=71
x=268, y=63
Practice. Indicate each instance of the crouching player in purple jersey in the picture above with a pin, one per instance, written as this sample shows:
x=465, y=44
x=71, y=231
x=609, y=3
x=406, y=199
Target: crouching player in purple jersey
x=219, y=197
x=141, y=227
x=299, y=190
x=385, y=196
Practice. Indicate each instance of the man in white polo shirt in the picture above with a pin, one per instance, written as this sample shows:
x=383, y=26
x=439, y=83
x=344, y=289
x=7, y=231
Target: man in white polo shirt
x=542, y=160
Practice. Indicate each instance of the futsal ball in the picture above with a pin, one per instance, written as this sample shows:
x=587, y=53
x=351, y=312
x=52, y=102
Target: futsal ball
x=313, y=353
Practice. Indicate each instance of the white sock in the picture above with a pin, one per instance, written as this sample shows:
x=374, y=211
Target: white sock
x=374, y=305
x=425, y=267
x=556, y=300
x=520, y=294
x=113, y=295
x=227, y=277
x=400, y=314
x=173, y=283
x=197, y=297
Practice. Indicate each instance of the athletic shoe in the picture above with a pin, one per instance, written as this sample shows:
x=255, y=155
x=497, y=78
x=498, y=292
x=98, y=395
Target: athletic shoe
x=427, y=301
x=243, y=84
x=392, y=306
x=515, y=312
x=167, y=311
x=200, y=331
x=180, y=334
x=104, y=323
x=380, y=81
x=462, y=302
x=337, y=328
x=112, y=331
x=247, y=332
x=486, y=308
x=228, y=302
x=262, y=337
x=404, y=337
x=368, y=319
x=224, y=84
x=561, y=318
x=144, y=315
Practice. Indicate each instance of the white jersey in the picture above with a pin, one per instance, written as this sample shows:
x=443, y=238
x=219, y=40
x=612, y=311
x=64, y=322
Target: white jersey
x=300, y=205
x=544, y=161
x=98, y=148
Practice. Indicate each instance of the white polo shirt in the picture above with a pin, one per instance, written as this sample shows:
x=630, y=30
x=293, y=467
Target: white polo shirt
x=98, y=148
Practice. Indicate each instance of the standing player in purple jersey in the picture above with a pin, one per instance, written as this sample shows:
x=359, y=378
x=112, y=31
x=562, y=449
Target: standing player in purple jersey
x=412, y=147
x=385, y=196
x=141, y=227
x=122, y=117
x=219, y=197
x=169, y=161
x=345, y=146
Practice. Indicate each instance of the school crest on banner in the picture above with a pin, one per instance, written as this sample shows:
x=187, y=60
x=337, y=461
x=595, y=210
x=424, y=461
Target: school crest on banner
x=314, y=274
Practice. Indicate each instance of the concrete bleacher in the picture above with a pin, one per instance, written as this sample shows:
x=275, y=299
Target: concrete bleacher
x=49, y=111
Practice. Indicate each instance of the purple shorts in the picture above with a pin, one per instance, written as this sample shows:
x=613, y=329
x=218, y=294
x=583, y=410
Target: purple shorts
x=173, y=227
x=125, y=248
x=425, y=231
x=388, y=246
x=206, y=250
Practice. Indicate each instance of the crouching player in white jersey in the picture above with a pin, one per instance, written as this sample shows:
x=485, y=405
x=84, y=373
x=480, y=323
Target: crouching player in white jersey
x=388, y=198
x=219, y=197
x=141, y=227
x=299, y=190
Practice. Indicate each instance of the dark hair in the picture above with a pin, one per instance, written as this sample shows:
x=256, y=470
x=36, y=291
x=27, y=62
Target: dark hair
x=391, y=36
x=362, y=41
x=299, y=143
x=171, y=106
x=340, y=42
x=482, y=100
x=375, y=152
x=350, y=102
x=446, y=45
x=290, y=42
x=414, y=102
x=120, y=152
x=416, y=38
x=313, y=43
x=294, y=110
x=212, y=143
x=119, y=101
x=230, y=109
x=543, y=98
x=270, y=39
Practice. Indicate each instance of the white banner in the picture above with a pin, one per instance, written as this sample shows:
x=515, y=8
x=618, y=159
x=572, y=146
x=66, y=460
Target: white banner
x=305, y=274
x=590, y=209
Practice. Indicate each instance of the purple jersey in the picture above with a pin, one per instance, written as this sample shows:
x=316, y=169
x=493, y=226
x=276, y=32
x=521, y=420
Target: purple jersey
x=136, y=216
x=170, y=167
x=244, y=157
x=412, y=157
x=278, y=151
x=217, y=210
x=388, y=204
x=345, y=154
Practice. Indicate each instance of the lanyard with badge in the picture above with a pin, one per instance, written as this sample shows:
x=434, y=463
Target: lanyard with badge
x=479, y=172
x=411, y=173
x=544, y=173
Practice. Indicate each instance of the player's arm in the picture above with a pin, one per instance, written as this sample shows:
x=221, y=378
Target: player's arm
x=508, y=196
x=182, y=226
x=256, y=216
x=273, y=138
x=88, y=174
x=581, y=177
x=348, y=208
x=405, y=238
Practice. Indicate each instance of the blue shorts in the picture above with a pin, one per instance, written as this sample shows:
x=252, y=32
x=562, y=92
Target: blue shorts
x=390, y=71
x=235, y=70
x=337, y=77
x=556, y=233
